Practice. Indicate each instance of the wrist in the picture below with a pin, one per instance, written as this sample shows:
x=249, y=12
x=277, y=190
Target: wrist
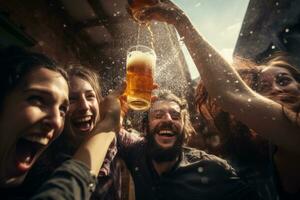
x=107, y=125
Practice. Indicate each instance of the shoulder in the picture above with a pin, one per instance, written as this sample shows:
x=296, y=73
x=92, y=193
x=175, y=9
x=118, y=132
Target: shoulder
x=196, y=155
x=129, y=137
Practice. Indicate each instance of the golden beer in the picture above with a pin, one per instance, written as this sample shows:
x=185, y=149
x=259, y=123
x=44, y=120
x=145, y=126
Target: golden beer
x=141, y=62
x=136, y=6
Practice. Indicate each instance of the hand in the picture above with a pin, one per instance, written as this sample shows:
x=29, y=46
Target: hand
x=110, y=109
x=124, y=106
x=164, y=11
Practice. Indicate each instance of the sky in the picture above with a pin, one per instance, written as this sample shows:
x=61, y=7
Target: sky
x=219, y=21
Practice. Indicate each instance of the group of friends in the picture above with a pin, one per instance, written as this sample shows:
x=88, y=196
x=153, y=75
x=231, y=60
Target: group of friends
x=254, y=110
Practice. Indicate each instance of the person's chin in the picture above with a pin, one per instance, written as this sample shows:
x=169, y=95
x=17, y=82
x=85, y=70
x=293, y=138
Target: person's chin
x=165, y=146
x=82, y=132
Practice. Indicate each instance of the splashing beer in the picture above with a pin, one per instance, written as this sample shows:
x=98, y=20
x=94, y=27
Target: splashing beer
x=141, y=62
x=137, y=5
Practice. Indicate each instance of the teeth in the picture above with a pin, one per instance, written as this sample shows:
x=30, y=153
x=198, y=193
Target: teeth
x=27, y=160
x=166, y=132
x=84, y=119
x=37, y=139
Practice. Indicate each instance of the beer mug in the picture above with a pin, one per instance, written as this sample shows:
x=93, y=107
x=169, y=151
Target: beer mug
x=140, y=65
x=137, y=5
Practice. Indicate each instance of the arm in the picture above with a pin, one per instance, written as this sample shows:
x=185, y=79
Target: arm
x=93, y=150
x=76, y=178
x=225, y=85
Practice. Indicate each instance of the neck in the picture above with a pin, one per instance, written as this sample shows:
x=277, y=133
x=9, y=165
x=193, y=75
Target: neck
x=161, y=167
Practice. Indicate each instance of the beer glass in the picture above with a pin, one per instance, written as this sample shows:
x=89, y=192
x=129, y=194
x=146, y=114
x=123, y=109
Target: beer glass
x=137, y=5
x=140, y=64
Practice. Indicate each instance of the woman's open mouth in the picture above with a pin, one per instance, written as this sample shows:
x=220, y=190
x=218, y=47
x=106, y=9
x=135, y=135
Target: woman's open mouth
x=83, y=124
x=27, y=150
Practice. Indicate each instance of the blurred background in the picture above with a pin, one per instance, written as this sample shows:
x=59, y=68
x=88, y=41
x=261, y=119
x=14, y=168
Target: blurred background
x=97, y=33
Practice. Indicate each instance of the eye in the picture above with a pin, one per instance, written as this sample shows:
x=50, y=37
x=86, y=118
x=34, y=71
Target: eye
x=35, y=100
x=63, y=110
x=90, y=96
x=283, y=80
x=72, y=99
x=158, y=114
x=175, y=115
x=264, y=86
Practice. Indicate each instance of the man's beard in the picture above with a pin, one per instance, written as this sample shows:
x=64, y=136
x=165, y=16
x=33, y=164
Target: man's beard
x=158, y=153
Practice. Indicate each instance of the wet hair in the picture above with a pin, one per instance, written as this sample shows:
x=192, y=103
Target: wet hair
x=284, y=60
x=236, y=139
x=250, y=73
x=167, y=95
x=220, y=121
x=16, y=63
x=88, y=75
x=288, y=62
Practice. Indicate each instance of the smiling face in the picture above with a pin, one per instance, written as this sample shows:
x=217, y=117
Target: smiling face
x=165, y=123
x=32, y=117
x=84, y=108
x=278, y=84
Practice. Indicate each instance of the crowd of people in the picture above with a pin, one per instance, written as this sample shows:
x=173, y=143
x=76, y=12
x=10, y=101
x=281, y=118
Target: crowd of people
x=60, y=136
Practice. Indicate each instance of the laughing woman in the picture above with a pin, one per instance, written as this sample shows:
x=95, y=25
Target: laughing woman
x=33, y=102
x=84, y=113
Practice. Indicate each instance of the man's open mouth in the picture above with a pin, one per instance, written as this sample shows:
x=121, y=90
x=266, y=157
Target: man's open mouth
x=83, y=124
x=166, y=133
x=27, y=149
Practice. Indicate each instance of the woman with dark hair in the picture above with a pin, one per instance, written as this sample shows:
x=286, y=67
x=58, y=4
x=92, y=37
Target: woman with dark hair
x=83, y=116
x=33, y=104
x=274, y=118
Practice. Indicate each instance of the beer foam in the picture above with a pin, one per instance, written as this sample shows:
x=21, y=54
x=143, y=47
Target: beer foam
x=141, y=57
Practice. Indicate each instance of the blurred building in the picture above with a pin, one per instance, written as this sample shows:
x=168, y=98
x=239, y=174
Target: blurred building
x=269, y=26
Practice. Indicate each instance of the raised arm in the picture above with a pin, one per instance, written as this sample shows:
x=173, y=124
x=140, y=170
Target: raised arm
x=76, y=178
x=224, y=84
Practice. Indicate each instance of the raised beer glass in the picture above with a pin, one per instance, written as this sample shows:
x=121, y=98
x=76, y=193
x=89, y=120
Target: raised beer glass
x=137, y=5
x=140, y=65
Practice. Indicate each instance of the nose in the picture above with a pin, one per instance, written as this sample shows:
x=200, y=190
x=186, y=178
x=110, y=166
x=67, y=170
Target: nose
x=83, y=104
x=167, y=117
x=53, y=121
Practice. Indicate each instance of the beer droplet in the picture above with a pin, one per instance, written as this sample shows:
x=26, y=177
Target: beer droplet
x=200, y=169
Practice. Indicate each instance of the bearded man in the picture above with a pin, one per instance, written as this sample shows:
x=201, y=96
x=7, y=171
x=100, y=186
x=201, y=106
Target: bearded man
x=162, y=166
